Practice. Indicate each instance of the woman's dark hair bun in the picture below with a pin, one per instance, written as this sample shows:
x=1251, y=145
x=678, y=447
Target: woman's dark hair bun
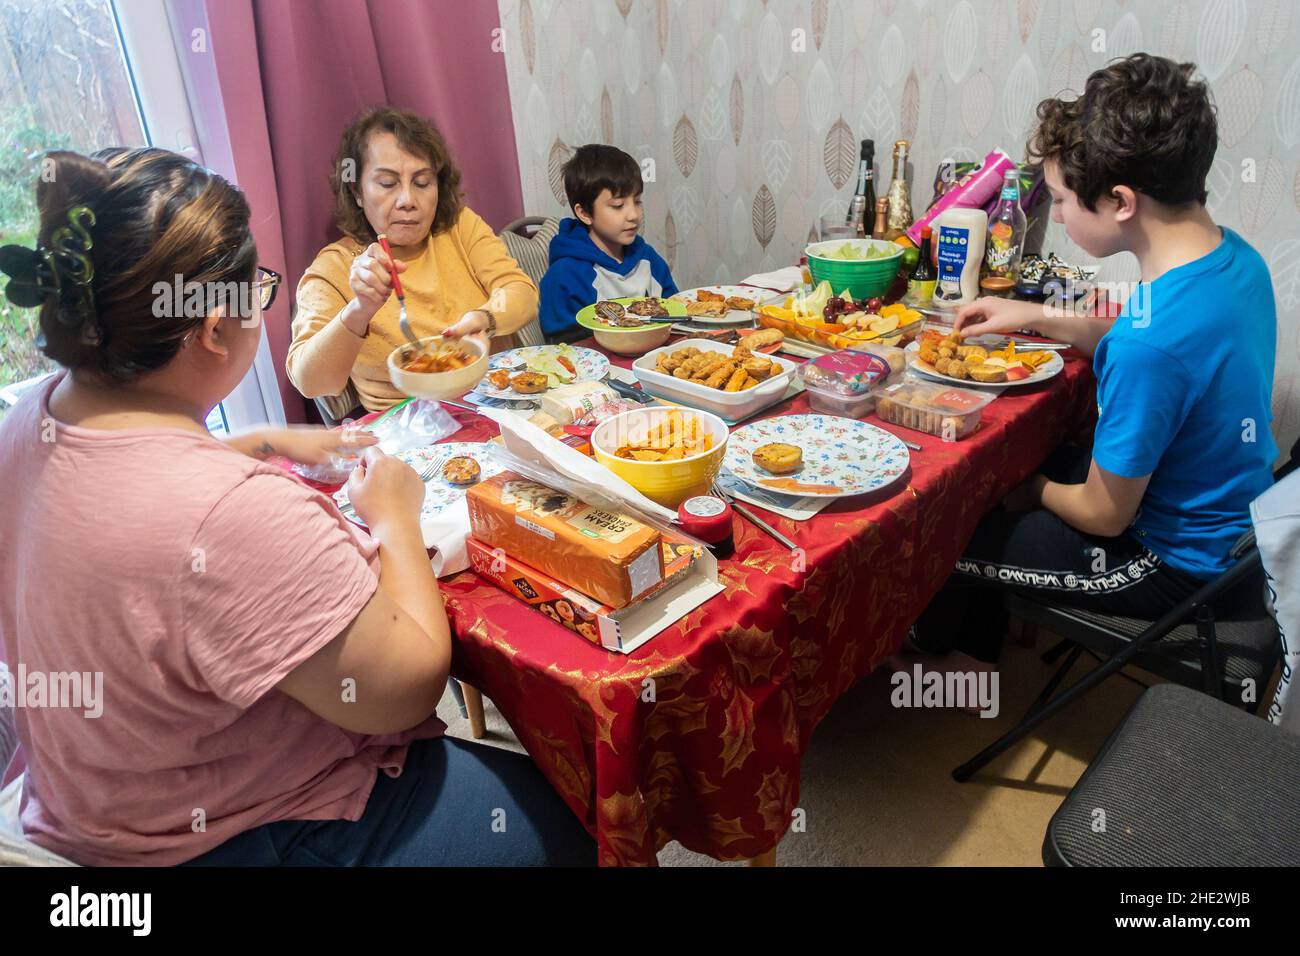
x=67, y=180
x=154, y=216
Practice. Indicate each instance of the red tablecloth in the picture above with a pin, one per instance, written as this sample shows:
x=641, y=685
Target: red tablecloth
x=697, y=736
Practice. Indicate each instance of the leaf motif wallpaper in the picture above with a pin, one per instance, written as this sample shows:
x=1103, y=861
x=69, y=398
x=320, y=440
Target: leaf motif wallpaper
x=747, y=114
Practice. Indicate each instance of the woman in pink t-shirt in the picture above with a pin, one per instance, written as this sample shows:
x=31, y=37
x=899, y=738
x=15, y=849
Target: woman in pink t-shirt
x=255, y=679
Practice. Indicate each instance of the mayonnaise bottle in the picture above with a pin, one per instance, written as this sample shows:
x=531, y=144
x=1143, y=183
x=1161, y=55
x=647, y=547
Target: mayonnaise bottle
x=959, y=235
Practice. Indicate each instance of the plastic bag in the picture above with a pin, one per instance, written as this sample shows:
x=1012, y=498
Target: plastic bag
x=415, y=423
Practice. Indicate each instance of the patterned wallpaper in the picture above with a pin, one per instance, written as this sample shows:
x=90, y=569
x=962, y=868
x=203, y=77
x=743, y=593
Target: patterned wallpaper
x=749, y=112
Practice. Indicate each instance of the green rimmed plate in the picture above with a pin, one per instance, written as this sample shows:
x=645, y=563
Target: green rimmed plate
x=586, y=316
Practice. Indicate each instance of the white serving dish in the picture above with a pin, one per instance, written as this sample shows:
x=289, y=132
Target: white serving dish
x=728, y=405
x=438, y=385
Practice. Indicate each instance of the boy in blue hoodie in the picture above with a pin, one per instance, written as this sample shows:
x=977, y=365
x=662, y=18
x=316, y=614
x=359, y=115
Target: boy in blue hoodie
x=599, y=255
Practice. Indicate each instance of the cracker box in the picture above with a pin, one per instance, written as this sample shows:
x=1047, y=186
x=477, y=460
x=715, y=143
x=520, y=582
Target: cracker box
x=613, y=558
x=615, y=629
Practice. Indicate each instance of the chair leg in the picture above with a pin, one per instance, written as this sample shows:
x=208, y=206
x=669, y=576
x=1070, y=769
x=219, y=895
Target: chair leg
x=1057, y=677
x=474, y=704
x=458, y=695
x=1053, y=653
x=1040, y=714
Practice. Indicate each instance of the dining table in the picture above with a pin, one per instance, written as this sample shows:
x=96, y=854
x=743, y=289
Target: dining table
x=697, y=736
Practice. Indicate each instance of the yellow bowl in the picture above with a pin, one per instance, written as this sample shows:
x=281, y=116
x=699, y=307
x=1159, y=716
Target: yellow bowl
x=667, y=482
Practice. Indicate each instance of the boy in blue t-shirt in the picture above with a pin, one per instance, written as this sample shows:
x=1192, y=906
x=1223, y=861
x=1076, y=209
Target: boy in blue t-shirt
x=599, y=254
x=1184, y=374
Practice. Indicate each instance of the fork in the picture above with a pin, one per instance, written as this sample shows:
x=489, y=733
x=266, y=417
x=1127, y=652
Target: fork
x=397, y=289
x=349, y=511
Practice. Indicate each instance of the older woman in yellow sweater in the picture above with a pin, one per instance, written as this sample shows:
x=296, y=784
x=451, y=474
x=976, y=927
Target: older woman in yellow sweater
x=393, y=174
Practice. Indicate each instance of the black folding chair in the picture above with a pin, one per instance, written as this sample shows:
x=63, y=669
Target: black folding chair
x=1186, y=780
x=1222, y=639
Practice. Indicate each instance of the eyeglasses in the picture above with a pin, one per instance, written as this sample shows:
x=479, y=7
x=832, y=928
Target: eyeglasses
x=268, y=280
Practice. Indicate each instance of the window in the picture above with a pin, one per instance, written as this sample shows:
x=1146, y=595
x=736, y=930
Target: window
x=63, y=85
x=83, y=75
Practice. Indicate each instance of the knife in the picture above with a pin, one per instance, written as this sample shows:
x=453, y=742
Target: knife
x=631, y=391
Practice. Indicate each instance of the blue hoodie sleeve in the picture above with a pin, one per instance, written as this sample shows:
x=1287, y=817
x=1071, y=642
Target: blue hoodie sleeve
x=567, y=287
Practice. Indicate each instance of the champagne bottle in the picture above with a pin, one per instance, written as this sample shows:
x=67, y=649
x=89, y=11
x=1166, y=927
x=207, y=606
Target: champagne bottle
x=882, y=218
x=863, y=203
x=900, y=192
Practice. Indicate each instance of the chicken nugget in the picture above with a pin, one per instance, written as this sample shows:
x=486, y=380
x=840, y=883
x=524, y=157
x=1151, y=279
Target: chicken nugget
x=737, y=380
x=759, y=368
x=942, y=364
x=947, y=350
x=972, y=354
x=959, y=370
x=705, y=371
x=721, y=376
x=928, y=353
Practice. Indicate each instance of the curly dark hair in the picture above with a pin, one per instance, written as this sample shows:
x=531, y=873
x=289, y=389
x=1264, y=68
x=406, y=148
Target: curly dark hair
x=417, y=136
x=1142, y=122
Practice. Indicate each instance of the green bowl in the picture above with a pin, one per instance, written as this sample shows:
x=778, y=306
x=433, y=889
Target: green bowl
x=864, y=278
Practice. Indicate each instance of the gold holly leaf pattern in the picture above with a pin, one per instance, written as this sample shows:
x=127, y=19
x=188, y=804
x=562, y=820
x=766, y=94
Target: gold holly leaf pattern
x=737, y=729
x=754, y=652
x=776, y=801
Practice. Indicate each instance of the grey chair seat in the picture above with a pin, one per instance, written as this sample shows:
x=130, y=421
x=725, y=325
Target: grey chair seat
x=1247, y=647
x=1186, y=780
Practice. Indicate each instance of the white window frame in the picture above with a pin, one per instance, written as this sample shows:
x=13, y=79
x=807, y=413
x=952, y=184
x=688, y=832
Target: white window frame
x=155, y=72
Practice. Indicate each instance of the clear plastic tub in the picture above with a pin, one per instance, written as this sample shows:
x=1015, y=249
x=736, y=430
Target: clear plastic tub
x=842, y=383
x=942, y=410
x=833, y=403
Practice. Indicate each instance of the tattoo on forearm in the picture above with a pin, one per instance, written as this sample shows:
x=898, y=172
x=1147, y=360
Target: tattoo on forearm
x=264, y=450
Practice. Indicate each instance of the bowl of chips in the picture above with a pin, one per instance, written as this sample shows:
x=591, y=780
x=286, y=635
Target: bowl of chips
x=667, y=454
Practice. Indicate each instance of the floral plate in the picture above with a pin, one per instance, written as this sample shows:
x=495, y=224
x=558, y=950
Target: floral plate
x=841, y=456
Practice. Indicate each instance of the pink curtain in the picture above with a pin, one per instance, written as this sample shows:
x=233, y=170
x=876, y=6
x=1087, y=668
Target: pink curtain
x=285, y=77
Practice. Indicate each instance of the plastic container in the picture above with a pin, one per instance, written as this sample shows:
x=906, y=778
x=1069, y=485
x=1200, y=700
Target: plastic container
x=844, y=382
x=864, y=278
x=942, y=410
x=731, y=406
x=830, y=334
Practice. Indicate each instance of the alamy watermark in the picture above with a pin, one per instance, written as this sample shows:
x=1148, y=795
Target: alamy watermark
x=922, y=688
x=68, y=690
